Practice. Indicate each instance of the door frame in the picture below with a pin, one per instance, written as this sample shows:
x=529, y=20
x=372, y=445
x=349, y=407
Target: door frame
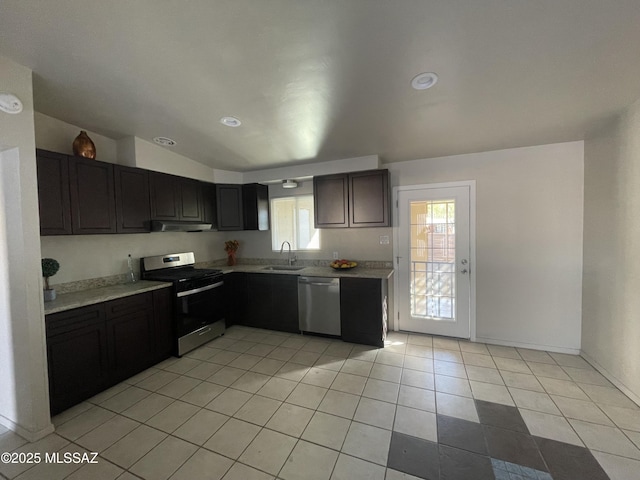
x=472, y=248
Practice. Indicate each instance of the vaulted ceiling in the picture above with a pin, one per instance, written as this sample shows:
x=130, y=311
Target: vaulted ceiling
x=315, y=80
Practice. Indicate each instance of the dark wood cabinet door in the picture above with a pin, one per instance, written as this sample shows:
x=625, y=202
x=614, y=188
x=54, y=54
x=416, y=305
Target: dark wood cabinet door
x=209, y=204
x=130, y=335
x=255, y=203
x=191, y=208
x=133, y=210
x=165, y=196
x=53, y=193
x=76, y=356
x=93, y=206
x=235, y=288
x=163, y=312
x=284, y=315
x=259, y=300
x=229, y=206
x=369, y=199
x=363, y=314
x=271, y=301
x=331, y=205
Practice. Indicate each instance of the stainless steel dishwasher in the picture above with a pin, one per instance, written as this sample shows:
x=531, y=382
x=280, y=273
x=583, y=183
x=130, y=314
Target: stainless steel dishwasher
x=319, y=305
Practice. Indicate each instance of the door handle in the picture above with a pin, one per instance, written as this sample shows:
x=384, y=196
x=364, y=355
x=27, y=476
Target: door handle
x=464, y=270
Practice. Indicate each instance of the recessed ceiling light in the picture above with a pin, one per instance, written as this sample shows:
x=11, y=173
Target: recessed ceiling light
x=165, y=142
x=422, y=81
x=9, y=103
x=230, y=121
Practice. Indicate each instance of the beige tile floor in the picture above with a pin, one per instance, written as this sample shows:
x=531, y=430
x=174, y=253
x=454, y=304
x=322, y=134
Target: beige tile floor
x=258, y=404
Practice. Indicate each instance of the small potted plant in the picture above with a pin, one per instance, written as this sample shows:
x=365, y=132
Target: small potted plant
x=49, y=268
x=231, y=247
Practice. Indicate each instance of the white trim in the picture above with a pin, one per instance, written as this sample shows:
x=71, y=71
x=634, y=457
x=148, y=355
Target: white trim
x=530, y=346
x=472, y=246
x=29, y=435
x=609, y=376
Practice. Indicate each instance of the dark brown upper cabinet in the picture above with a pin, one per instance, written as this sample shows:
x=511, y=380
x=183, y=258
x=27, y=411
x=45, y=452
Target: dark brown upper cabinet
x=369, y=199
x=133, y=210
x=229, y=207
x=164, y=196
x=53, y=193
x=354, y=200
x=93, y=206
x=191, y=205
x=331, y=201
x=255, y=206
x=209, y=204
x=175, y=198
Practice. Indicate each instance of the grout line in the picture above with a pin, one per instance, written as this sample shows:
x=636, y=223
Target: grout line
x=298, y=382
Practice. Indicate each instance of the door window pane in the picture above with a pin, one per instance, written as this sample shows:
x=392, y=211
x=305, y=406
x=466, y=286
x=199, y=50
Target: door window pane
x=433, y=256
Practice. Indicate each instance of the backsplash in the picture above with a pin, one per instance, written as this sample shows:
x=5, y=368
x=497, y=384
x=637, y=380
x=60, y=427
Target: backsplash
x=80, y=285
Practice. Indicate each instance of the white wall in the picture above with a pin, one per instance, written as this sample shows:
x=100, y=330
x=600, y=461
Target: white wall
x=83, y=257
x=369, y=162
x=24, y=394
x=528, y=239
x=58, y=136
x=160, y=159
x=611, y=280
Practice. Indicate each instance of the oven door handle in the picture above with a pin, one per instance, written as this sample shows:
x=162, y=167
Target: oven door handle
x=201, y=289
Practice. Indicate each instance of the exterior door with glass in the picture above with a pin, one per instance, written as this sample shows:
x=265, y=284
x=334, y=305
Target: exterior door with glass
x=433, y=260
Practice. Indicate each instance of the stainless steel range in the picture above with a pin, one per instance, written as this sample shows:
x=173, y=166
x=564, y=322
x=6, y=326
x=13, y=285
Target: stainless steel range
x=198, y=297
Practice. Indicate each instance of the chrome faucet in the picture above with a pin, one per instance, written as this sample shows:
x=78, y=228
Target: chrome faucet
x=290, y=259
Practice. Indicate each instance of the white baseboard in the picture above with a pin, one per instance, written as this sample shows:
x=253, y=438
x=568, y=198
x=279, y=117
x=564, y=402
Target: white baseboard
x=29, y=435
x=531, y=346
x=609, y=376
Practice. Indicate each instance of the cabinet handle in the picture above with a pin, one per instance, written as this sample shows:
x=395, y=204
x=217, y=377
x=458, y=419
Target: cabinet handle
x=198, y=290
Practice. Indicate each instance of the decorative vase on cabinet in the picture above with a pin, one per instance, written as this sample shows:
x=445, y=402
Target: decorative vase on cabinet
x=83, y=146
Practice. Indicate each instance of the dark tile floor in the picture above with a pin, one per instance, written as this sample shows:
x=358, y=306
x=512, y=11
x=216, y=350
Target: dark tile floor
x=500, y=447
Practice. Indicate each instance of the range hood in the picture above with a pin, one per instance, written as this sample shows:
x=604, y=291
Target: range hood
x=159, y=226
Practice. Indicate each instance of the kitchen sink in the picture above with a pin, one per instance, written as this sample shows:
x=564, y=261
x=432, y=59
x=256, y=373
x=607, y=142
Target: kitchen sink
x=283, y=267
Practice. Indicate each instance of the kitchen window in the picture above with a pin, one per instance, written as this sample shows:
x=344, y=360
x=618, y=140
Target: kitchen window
x=292, y=221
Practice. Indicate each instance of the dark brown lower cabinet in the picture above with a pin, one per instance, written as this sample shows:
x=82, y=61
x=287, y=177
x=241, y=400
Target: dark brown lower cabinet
x=164, y=328
x=285, y=303
x=271, y=301
x=364, y=310
x=92, y=348
x=77, y=355
x=235, y=298
x=130, y=335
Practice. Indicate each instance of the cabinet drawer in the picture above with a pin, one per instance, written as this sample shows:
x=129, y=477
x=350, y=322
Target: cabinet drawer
x=121, y=307
x=64, y=322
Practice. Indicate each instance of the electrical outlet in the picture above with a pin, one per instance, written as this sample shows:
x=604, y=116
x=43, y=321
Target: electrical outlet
x=335, y=255
x=384, y=239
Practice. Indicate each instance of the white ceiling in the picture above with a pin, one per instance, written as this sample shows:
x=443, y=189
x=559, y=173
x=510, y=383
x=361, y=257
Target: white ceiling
x=316, y=80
